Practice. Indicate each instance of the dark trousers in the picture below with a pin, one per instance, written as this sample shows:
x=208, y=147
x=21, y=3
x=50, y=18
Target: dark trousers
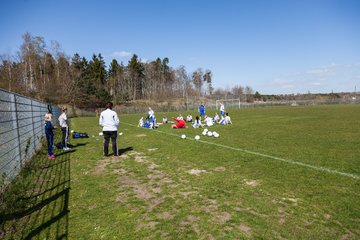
x=50, y=141
x=65, y=136
x=113, y=136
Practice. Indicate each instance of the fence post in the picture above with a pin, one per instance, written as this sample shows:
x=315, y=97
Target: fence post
x=17, y=130
x=33, y=125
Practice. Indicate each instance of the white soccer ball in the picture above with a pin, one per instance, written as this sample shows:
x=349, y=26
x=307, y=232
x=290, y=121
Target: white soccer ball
x=197, y=137
x=100, y=133
x=183, y=136
x=206, y=130
x=203, y=133
x=216, y=135
x=209, y=133
x=120, y=133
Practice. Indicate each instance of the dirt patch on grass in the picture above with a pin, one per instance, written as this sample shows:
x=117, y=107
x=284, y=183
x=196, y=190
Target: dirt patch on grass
x=138, y=157
x=210, y=206
x=154, y=203
x=120, y=171
x=252, y=183
x=157, y=190
x=152, y=149
x=219, y=169
x=293, y=201
x=223, y=217
x=152, y=166
x=141, y=135
x=100, y=167
x=148, y=225
x=124, y=156
x=141, y=191
x=191, y=221
x=245, y=229
x=282, y=219
x=157, y=175
x=165, y=215
x=196, y=171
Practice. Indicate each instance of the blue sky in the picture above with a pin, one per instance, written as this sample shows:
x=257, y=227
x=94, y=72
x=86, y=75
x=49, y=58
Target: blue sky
x=276, y=47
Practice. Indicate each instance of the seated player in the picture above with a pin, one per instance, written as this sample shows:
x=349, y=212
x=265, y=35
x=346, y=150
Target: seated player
x=179, y=117
x=189, y=118
x=228, y=119
x=180, y=123
x=141, y=122
x=164, y=120
x=208, y=121
x=197, y=122
x=216, y=119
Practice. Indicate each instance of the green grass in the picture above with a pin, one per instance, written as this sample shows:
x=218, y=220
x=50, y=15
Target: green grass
x=248, y=186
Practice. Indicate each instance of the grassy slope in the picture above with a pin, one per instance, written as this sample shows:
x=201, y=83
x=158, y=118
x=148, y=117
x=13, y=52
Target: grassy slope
x=149, y=192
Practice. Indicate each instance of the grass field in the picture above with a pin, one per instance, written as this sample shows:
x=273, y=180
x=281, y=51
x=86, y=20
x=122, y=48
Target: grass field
x=276, y=173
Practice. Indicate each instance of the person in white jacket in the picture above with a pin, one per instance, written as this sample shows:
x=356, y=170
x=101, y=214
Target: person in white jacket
x=63, y=121
x=109, y=120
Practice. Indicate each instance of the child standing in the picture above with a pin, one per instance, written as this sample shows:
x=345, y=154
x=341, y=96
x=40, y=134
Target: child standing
x=49, y=132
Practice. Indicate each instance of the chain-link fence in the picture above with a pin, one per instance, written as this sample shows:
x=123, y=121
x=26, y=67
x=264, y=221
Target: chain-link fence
x=21, y=130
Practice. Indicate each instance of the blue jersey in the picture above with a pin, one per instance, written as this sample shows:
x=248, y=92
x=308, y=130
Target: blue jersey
x=48, y=127
x=202, y=110
x=147, y=124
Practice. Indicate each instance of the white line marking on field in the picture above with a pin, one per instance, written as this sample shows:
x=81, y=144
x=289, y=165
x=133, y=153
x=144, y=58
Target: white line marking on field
x=264, y=155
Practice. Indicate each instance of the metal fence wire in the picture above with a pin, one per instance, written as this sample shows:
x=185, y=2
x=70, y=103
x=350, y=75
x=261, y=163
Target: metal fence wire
x=21, y=131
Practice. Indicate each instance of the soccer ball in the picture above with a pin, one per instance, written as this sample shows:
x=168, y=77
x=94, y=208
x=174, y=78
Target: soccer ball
x=203, y=133
x=216, y=135
x=209, y=133
x=197, y=137
x=120, y=134
x=183, y=136
x=100, y=133
x=206, y=130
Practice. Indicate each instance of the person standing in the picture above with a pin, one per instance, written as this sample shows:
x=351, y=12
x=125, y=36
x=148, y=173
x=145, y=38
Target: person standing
x=63, y=121
x=202, y=110
x=109, y=121
x=222, y=109
x=49, y=132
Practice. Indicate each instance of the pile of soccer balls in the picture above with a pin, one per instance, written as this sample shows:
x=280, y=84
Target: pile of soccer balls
x=208, y=133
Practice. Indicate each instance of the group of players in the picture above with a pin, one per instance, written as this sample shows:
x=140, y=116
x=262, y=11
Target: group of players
x=180, y=122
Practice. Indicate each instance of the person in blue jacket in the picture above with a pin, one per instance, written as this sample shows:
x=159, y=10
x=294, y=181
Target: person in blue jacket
x=202, y=110
x=49, y=132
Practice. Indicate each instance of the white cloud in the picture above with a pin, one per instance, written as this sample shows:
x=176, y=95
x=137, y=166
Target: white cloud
x=144, y=60
x=324, y=71
x=337, y=77
x=283, y=83
x=121, y=54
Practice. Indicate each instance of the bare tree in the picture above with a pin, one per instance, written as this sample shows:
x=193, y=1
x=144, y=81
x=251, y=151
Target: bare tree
x=208, y=80
x=238, y=92
x=197, y=77
x=249, y=94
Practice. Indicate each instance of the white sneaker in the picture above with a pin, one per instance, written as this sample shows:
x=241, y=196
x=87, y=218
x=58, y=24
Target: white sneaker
x=66, y=148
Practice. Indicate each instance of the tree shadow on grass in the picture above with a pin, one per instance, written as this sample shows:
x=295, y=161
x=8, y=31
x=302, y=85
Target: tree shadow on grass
x=36, y=203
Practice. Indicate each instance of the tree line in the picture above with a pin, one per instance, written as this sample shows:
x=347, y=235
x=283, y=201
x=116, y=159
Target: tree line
x=47, y=73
